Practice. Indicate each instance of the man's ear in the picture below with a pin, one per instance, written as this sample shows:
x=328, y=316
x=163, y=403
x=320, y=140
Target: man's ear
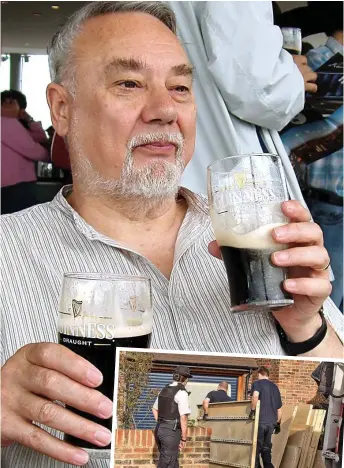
x=58, y=99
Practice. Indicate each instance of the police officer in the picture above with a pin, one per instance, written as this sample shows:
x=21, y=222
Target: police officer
x=216, y=396
x=270, y=415
x=171, y=410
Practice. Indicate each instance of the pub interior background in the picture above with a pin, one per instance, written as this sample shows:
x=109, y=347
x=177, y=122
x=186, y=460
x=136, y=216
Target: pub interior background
x=27, y=29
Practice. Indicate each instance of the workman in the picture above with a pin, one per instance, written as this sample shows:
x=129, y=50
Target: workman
x=171, y=410
x=270, y=415
x=216, y=396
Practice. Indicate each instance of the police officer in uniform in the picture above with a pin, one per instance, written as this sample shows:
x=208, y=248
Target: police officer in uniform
x=171, y=410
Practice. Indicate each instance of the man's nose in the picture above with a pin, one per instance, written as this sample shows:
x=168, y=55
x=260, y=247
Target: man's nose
x=159, y=107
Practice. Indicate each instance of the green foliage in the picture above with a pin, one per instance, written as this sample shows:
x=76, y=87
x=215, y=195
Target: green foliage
x=134, y=376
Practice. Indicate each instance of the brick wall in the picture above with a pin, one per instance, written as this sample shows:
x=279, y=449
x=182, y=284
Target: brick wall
x=293, y=379
x=137, y=448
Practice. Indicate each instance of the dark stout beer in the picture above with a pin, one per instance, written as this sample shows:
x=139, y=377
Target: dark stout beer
x=102, y=354
x=252, y=277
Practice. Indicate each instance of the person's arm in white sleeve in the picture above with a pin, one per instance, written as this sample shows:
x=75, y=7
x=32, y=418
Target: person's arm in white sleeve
x=258, y=80
x=155, y=409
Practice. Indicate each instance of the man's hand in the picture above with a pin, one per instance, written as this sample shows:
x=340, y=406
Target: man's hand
x=252, y=414
x=36, y=376
x=182, y=445
x=205, y=415
x=309, y=76
x=277, y=428
x=308, y=282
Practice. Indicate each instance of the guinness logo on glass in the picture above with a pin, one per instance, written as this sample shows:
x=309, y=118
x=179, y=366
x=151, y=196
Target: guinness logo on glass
x=77, y=307
x=240, y=179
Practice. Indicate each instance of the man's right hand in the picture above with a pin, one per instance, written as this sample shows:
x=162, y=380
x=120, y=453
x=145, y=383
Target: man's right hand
x=32, y=379
x=205, y=415
x=309, y=76
x=252, y=414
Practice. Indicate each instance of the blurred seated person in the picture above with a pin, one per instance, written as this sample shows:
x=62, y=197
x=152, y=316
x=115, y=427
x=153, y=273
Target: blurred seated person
x=23, y=143
x=35, y=128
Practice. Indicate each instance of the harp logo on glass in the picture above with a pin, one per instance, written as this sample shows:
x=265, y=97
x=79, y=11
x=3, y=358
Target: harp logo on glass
x=76, y=307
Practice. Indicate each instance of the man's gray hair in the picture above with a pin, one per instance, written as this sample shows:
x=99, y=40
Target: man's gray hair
x=60, y=60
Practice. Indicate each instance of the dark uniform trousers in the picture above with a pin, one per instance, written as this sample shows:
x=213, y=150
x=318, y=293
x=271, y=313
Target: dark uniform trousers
x=264, y=445
x=168, y=441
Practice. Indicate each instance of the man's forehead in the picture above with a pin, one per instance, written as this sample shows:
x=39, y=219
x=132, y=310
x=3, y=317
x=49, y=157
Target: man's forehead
x=131, y=31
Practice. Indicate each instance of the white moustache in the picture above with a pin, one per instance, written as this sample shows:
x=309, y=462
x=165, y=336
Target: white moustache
x=176, y=139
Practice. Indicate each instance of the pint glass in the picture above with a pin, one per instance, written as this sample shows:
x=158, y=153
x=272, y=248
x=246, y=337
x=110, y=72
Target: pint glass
x=292, y=40
x=97, y=313
x=245, y=195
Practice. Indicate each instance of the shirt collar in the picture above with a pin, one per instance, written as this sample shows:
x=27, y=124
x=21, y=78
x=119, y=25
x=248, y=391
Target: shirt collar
x=197, y=205
x=334, y=46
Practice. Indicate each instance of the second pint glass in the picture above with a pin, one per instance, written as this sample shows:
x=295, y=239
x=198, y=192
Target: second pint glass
x=97, y=313
x=245, y=195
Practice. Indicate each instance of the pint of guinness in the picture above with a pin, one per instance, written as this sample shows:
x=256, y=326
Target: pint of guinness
x=245, y=196
x=97, y=314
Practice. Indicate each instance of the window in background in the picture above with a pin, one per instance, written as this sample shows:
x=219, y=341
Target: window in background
x=4, y=72
x=35, y=79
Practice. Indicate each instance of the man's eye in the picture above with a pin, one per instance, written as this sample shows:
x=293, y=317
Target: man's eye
x=128, y=84
x=182, y=89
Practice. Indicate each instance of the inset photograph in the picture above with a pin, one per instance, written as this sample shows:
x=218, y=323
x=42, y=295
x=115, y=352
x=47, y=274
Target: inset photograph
x=208, y=411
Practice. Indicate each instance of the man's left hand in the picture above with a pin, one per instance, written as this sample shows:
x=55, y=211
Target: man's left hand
x=308, y=282
x=182, y=445
x=277, y=428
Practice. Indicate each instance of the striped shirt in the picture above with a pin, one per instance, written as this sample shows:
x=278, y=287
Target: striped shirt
x=191, y=309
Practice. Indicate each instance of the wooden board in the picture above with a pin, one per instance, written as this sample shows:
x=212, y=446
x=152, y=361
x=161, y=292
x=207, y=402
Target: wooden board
x=291, y=457
x=231, y=451
x=305, y=447
x=279, y=441
x=318, y=422
x=231, y=429
x=303, y=415
x=297, y=436
x=318, y=462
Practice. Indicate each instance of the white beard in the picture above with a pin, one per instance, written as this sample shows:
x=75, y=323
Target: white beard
x=153, y=183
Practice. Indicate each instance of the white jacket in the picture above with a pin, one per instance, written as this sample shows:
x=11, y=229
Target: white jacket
x=242, y=75
x=243, y=79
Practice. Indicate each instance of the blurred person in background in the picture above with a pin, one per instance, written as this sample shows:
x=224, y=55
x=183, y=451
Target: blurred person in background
x=246, y=86
x=23, y=142
x=319, y=130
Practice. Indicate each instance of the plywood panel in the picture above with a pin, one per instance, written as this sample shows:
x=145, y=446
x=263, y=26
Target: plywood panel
x=297, y=436
x=305, y=447
x=232, y=429
x=229, y=453
x=230, y=408
x=318, y=462
x=318, y=423
x=234, y=454
x=303, y=415
x=279, y=441
x=291, y=457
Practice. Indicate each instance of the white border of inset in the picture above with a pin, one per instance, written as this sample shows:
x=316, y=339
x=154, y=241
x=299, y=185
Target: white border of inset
x=194, y=353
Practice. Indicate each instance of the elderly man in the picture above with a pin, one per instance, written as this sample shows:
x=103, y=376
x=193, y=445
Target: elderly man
x=121, y=94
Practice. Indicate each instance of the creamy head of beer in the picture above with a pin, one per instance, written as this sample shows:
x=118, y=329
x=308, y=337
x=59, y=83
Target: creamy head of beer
x=260, y=238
